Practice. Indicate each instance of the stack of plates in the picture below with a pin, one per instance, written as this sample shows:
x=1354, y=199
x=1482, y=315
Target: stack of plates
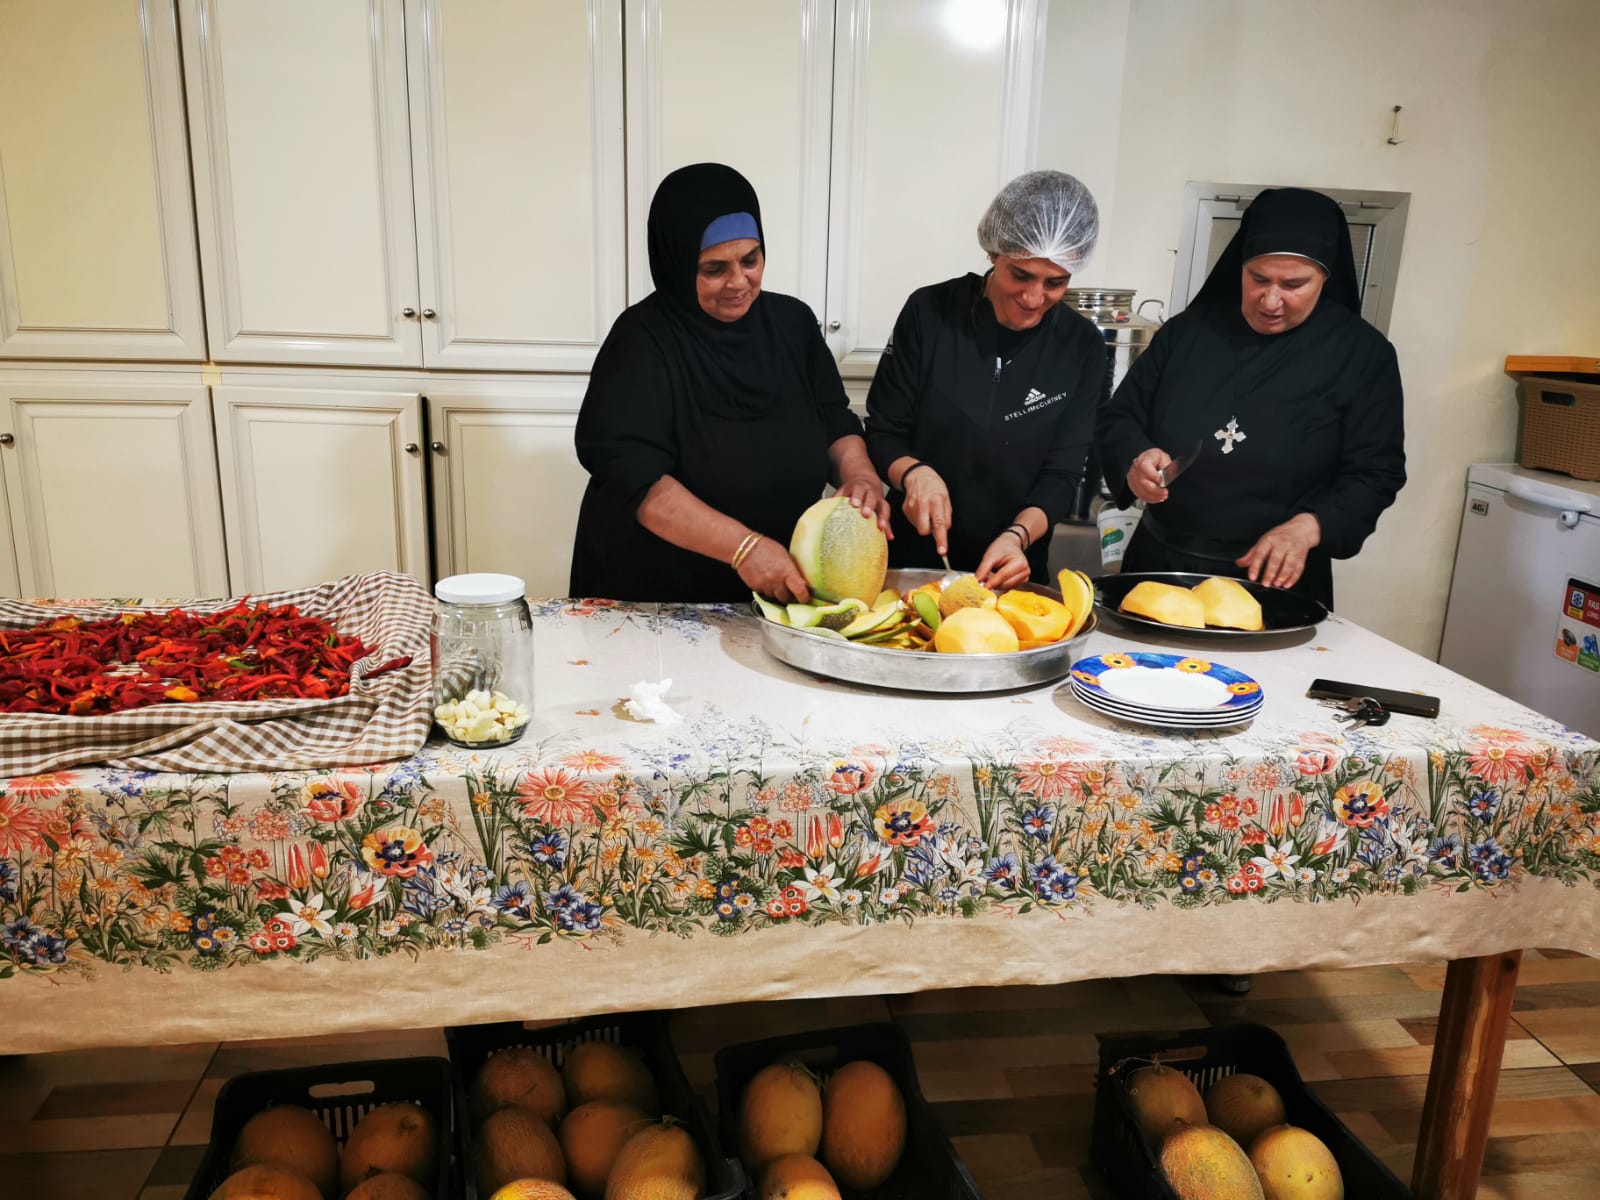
x=1166, y=690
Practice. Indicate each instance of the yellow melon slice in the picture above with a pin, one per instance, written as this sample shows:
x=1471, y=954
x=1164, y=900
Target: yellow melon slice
x=1165, y=603
x=1228, y=604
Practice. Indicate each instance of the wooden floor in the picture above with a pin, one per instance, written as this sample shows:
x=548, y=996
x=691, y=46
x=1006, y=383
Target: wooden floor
x=1010, y=1071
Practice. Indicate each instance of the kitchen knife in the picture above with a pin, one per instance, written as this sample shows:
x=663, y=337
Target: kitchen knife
x=1180, y=464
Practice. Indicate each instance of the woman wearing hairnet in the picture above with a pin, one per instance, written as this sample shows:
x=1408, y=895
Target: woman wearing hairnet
x=983, y=405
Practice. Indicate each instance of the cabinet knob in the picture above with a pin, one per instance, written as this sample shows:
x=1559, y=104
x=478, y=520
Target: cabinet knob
x=408, y=313
x=833, y=326
x=6, y=439
x=436, y=447
x=412, y=447
x=428, y=314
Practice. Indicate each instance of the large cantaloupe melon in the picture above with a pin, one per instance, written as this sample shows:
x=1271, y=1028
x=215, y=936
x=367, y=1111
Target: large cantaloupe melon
x=1295, y=1164
x=796, y=1177
x=1202, y=1163
x=514, y=1144
x=780, y=1113
x=863, y=1125
x=288, y=1135
x=262, y=1182
x=660, y=1162
x=841, y=551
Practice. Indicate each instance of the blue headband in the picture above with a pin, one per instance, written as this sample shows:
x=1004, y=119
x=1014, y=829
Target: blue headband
x=729, y=227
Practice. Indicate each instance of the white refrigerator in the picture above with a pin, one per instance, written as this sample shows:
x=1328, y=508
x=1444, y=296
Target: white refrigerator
x=1524, y=614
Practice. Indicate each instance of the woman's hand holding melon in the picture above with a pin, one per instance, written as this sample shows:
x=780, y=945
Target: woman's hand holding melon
x=927, y=505
x=770, y=570
x=1004, y=564
x=865, y=494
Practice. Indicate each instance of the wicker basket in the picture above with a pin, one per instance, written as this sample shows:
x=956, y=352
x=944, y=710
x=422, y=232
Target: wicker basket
x=1561, y=425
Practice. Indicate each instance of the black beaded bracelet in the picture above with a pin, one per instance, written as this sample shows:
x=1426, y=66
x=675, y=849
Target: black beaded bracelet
x=907, y=472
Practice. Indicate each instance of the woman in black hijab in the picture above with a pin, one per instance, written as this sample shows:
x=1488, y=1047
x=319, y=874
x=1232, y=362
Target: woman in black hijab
x=1293, y=401
x=714, y=416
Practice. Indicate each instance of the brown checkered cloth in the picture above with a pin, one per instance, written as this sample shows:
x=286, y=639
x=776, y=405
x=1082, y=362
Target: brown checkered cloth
x=377, y=720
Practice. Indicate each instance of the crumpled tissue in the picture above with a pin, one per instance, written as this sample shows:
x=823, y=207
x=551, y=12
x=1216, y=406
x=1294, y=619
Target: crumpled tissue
x=645, y=703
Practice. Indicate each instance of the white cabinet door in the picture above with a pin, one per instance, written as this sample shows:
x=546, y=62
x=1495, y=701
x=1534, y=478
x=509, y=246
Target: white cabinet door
x=322, y=477
x=506, y=481
x=750, y=85
x=516, y=128
x=111, y=484
x=302, y=176
x=933, y=111
x=97, y=252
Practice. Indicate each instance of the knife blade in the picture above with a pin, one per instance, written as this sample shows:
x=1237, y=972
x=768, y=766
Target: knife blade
x=1180, y=464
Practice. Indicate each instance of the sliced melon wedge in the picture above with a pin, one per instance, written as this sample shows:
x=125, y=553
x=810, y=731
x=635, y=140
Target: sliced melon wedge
x=772, y=612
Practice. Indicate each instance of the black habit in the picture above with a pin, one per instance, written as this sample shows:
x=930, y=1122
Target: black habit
x=1305, y=421
x=740, y=413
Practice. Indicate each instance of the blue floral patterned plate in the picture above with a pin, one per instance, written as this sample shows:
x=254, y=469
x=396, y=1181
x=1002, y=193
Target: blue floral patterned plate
x=1166, y=683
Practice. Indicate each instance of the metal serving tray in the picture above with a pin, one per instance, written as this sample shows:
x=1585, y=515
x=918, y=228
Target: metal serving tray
x=925, y=670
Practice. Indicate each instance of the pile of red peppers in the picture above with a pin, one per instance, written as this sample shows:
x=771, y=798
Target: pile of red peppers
x=248, y=652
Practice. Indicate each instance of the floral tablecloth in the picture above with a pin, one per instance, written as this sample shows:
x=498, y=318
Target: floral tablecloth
x=792, y=837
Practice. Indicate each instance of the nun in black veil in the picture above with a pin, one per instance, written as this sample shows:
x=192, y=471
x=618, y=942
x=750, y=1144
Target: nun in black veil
x=714, y=416
x=1293, y=400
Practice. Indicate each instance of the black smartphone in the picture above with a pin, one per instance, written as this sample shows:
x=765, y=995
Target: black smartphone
x=1410, y=703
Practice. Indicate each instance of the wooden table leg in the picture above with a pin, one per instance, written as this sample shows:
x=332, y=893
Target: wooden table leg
x=1473, y=1016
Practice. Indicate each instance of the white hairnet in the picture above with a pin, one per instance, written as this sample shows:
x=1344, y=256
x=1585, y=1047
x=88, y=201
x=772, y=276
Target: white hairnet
x=1043, y=214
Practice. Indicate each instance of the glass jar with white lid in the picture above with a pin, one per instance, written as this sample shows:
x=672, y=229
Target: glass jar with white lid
x=482, y=660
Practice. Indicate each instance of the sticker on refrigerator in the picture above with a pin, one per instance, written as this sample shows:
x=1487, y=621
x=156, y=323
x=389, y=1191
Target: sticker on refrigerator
x=1578, y=634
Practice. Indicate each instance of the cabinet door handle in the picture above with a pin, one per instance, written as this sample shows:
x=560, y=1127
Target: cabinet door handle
x=428, y=314
x=833, y=326
x=6, y=439
x=436, y=447
x=412, y=447
x=408, y=313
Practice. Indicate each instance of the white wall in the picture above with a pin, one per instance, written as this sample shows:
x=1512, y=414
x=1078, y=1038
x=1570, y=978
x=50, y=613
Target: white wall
x=1502, y=249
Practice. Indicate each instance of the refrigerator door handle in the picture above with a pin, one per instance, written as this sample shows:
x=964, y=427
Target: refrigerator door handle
x=1556, y=500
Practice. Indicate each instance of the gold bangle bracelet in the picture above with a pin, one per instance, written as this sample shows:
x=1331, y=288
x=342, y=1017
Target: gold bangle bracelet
x=744, y=550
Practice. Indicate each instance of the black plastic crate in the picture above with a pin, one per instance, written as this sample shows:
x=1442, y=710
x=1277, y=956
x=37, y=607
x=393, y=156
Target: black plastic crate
x=930, y=1168
x=1205, y=1056
x=471, y=1045
x=339, y=1093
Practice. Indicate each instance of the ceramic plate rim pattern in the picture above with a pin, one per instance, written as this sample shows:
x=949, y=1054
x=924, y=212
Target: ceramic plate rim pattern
x=1087, y=671
x=1164, y=723
x=1317, y=612
x=1225, y=717
x=1256, y=702
x=1176, y=714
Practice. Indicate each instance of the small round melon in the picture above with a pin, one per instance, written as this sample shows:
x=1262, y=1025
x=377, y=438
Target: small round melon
x=390, y=1186
x=1244, y=1106
x=863, y=1125
x=522, y=1076
x=1163, y=1101
x=796, y=1177
x=1295, y=1164
x=840, y=550
x=516, y=1144
x=606, y=1071
x=288, y=1135
x=533, y=1189
x=780, y=1113
x=592, y=1136
x=401, y=1138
